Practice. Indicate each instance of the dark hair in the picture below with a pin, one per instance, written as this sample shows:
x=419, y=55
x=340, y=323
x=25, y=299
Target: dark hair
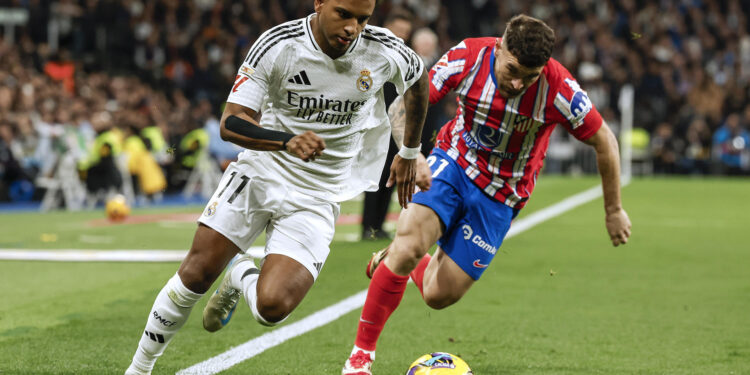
x=529, y=40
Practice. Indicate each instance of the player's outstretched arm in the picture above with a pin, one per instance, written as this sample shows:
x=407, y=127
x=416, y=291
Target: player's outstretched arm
x=404, y=166
x=239, y=127
x=608, y=161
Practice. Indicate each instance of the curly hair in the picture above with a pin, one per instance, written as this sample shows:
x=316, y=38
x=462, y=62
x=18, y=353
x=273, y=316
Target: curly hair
x=530, y=40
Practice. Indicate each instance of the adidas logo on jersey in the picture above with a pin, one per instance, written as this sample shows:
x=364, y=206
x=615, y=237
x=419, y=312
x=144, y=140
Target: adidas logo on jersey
x=300, y=79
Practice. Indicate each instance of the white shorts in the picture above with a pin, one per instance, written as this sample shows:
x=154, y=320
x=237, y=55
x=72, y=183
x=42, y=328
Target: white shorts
x=297, y=225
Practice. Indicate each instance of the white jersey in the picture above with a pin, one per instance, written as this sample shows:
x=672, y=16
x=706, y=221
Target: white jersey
x=297, y=87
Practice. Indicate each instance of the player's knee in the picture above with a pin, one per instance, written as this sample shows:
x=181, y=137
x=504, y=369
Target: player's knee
x=274, y=308
x=437, y=301
x=196, y=277
x=405, y=261
x=407, y=253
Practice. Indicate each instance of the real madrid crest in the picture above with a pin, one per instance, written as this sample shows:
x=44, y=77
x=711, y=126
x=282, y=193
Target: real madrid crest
x=364, y=82
x=211, y=209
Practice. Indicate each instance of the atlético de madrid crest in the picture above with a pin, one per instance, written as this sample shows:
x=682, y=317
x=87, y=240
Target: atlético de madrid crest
x=364, y=82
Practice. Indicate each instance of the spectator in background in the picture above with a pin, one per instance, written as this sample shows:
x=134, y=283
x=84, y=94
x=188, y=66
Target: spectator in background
x=11, y=173
x=24, y=144
x=149, y=56
x=731, y=144
x=665, y=149
x=100, y=169
x=224, y=152
x=153, y=138
x=696, y=156
x=400, y=24
x=60, y=68
x=651, y=94
x=690, y=60
x=49, y=134
x=148, y=178
x=377, y=203
x=7, y=95
x=706, y=97
x=179, y=71
x=425, y=44
x=189, y=151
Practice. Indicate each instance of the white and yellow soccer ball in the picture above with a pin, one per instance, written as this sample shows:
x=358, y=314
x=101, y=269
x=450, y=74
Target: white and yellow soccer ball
x=439, y=364
x=117, y=208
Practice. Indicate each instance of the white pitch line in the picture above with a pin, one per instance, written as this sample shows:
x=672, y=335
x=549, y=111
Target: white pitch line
x=259, y=344
x=557, y=209
x=78, y=255
x=274, y=338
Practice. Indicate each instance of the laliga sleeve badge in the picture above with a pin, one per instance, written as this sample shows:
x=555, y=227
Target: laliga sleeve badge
x=247, y=71
x=364, y=82
x=211, y=209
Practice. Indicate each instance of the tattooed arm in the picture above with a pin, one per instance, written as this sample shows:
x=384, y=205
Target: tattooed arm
x=397, y=115
x=407, y=116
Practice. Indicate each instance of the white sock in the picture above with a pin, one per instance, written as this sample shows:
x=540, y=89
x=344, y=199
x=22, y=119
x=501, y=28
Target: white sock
x=246, y=279
x=170, y=311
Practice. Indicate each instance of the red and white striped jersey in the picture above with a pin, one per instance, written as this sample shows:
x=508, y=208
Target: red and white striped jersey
x=501, y=143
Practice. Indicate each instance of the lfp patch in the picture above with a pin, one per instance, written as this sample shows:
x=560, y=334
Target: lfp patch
x=580, y=104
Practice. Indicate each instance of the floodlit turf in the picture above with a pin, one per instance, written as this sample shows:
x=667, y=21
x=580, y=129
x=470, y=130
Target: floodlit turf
x=558, y=299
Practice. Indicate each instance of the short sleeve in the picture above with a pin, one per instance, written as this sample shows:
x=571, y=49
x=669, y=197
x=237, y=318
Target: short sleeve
x=579, y=116
x=447, y=73
x=255, y=74
x=406, y=65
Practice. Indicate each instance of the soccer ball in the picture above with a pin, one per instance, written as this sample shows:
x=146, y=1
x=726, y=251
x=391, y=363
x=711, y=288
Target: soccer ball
x=439, y=364
x=117, y=208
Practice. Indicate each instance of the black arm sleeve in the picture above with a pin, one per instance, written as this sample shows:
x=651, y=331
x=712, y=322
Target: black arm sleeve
x=250, y=130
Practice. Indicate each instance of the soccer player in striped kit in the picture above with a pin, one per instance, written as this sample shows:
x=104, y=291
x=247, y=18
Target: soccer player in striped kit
x=511, y=95
x=321, y=139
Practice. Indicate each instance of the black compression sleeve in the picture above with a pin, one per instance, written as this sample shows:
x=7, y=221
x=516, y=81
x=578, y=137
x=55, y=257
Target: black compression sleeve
x=250, y=130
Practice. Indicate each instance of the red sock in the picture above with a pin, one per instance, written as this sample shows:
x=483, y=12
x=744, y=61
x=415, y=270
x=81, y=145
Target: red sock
x=417, y=275
x=383, y=296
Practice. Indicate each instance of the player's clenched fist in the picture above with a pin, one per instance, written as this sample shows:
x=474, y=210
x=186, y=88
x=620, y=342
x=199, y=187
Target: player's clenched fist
x=306, y=146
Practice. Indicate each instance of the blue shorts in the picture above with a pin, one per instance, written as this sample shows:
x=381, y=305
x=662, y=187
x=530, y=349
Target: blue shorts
x=475, y=224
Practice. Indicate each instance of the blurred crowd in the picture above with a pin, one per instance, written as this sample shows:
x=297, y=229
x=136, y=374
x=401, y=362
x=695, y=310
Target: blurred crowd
x=151, y=76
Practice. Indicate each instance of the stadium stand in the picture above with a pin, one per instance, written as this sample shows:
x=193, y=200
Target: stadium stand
x=167, y=65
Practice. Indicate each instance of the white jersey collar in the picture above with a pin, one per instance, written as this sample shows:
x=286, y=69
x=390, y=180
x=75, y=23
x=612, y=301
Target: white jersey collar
x=314, y=43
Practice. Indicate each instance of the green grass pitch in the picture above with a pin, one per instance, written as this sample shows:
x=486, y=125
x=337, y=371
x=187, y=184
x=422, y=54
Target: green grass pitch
x=558, y=299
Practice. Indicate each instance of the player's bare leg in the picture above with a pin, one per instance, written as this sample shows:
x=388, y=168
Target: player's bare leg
x=418, y=229
x=440, y=280
x=282, y=285
x=208, y=255
x=272, y=293
x=444, y=282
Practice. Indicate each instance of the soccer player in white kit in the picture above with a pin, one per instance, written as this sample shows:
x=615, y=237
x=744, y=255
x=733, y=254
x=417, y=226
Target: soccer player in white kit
x=321, y=139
